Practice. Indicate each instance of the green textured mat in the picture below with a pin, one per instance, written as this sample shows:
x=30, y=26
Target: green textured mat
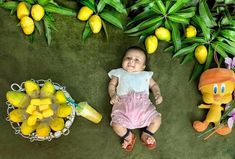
x=82, y=67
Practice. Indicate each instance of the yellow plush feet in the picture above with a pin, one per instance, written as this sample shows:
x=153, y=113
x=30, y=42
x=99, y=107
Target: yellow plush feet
x=223, y=130
x=200, y=126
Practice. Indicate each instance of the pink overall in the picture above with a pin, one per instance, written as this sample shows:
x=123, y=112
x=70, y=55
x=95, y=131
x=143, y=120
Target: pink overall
x=134, y=110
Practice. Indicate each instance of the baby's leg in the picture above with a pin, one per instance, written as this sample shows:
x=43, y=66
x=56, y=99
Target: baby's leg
x=147, y=135
x=124, y=133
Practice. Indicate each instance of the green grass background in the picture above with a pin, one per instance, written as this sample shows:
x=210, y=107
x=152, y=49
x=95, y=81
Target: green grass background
x=82, y=67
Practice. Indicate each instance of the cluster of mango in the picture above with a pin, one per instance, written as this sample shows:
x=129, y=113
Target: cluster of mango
x=39, y=110
x=95, y=22
x=23, y=14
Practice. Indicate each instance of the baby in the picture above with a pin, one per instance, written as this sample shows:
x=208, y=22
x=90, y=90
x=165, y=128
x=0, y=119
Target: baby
x=129, y=92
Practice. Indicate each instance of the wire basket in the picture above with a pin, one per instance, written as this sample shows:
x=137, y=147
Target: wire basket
x=68, y=121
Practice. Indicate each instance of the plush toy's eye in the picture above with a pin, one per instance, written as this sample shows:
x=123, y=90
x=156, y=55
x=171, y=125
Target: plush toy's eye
x=222, y=88
x=215, y=88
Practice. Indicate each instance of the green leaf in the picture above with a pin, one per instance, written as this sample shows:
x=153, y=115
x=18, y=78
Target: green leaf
x=175, y=36
x=206, y=31
x=209, y=58
x=38, y=27
x=147, y=31
x=167, y=25
x=190, y=9
x=161, y=6
x=229, y=34
x=177, y=6
x=197, y=70
x=219, y=49
x=169, y=49
x=145, y=24
x=143, y=15
x=141, y=3
x=205, y=14
x=47, y=27
x=178, y=19
x=189, y=57
x=105, y=30
x=101, y=5
x=186, y=50
x=186, y=14
x=199, y=40
x=168, y=3
x=111, y=18
x=226, y=40
x=116, y=4
x=89, y=3
x=9, y=5
x=227, y=48
x=86, y=32
x=51, y=8
x=29, y=1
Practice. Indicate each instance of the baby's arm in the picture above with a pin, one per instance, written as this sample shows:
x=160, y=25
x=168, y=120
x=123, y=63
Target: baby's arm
x=112, y=90
x=156, y=91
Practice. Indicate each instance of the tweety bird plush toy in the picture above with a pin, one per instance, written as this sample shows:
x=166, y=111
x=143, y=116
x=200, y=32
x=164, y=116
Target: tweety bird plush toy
x=217, y=86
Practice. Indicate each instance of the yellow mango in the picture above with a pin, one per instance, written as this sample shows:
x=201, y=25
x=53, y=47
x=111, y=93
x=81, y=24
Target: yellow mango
x=22, y=10
x=32, y=88
x=17, y=99
x=201, y=54
x=60, y=97
x=84, y=13
x=163, y=34
x=47, y=89
x=151, y=44
x=43, y=130
x=95, y=23
x=64, y=110
x=190, y=32
x=37, y=12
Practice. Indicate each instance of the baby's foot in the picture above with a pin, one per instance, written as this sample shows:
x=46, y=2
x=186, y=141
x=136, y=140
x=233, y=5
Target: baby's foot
x=148, y=140
x=129, y=142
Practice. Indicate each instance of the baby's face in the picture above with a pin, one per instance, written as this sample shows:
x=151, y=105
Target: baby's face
x=134, y=61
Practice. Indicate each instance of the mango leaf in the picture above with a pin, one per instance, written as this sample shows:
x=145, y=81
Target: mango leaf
x=177, y=6
x=89, y=3
x=205, y=14
x=186, y=50
x=52, y=8
x=209, y=58
x=86, y=32
x=105, y=30
x=148, y=31
x=101, y=5
x=189, y=57
x=116, y=4
x=189, y=9
x=167, y=4
x=29, y=1
x=169, y=49
x=227, y=48
x=226, y=40
x=47, y=26
x=206, y=31
x=9, y=5
x=38, y=27
x=219, y=49
x=140, y=3
x=178, y=19
x=193, y=40
x=175, y=35
x=143, y=15
x=197, y=70
x=145, y=24
x=229, y=34
x=186, y=14
x=111, y=18
x=161, y=6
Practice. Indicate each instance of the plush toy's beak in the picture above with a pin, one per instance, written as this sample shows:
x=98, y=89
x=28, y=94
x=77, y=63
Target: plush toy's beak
x=217, y=98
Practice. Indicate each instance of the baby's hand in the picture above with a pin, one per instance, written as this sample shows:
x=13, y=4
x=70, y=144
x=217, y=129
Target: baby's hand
x=114, y=99
x=158, y=99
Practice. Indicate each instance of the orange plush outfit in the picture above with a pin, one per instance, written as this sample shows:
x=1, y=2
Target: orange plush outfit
x=216, y=86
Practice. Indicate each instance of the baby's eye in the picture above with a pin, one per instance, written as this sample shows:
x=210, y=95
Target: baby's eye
x=137, y=60
x=215, y=88
x=222, y=88
x=128, y=58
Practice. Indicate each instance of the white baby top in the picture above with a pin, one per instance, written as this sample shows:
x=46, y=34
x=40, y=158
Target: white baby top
x=131, y=81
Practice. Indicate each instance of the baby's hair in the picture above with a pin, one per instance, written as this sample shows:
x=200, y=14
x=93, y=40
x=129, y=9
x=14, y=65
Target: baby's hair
x=138, y=49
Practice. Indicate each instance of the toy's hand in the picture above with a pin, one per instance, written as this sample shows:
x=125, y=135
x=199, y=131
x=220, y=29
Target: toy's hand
x=114, y=99
x=158, y=99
